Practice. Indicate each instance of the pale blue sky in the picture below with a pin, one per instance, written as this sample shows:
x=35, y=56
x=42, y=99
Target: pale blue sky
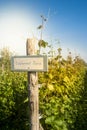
x=67, y=21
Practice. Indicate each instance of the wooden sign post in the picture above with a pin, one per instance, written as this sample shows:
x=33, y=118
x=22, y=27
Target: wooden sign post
x=33, y=91
x=32, y=64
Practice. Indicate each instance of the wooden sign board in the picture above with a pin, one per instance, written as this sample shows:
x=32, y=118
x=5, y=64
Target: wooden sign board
x=32, y=63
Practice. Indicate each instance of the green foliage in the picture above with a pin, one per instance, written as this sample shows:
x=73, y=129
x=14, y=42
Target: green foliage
x=13, y=95
x=81, y=120
x=42, y=44
x=63, y=95
x=61, y=92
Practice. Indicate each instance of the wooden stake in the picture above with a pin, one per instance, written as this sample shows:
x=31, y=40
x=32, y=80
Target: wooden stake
x=33, y=90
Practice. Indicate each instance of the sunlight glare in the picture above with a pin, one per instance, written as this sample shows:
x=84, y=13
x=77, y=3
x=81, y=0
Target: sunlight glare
x=15, y=28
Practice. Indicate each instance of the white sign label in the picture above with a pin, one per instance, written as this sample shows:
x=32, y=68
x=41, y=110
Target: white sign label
x=29, y=63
